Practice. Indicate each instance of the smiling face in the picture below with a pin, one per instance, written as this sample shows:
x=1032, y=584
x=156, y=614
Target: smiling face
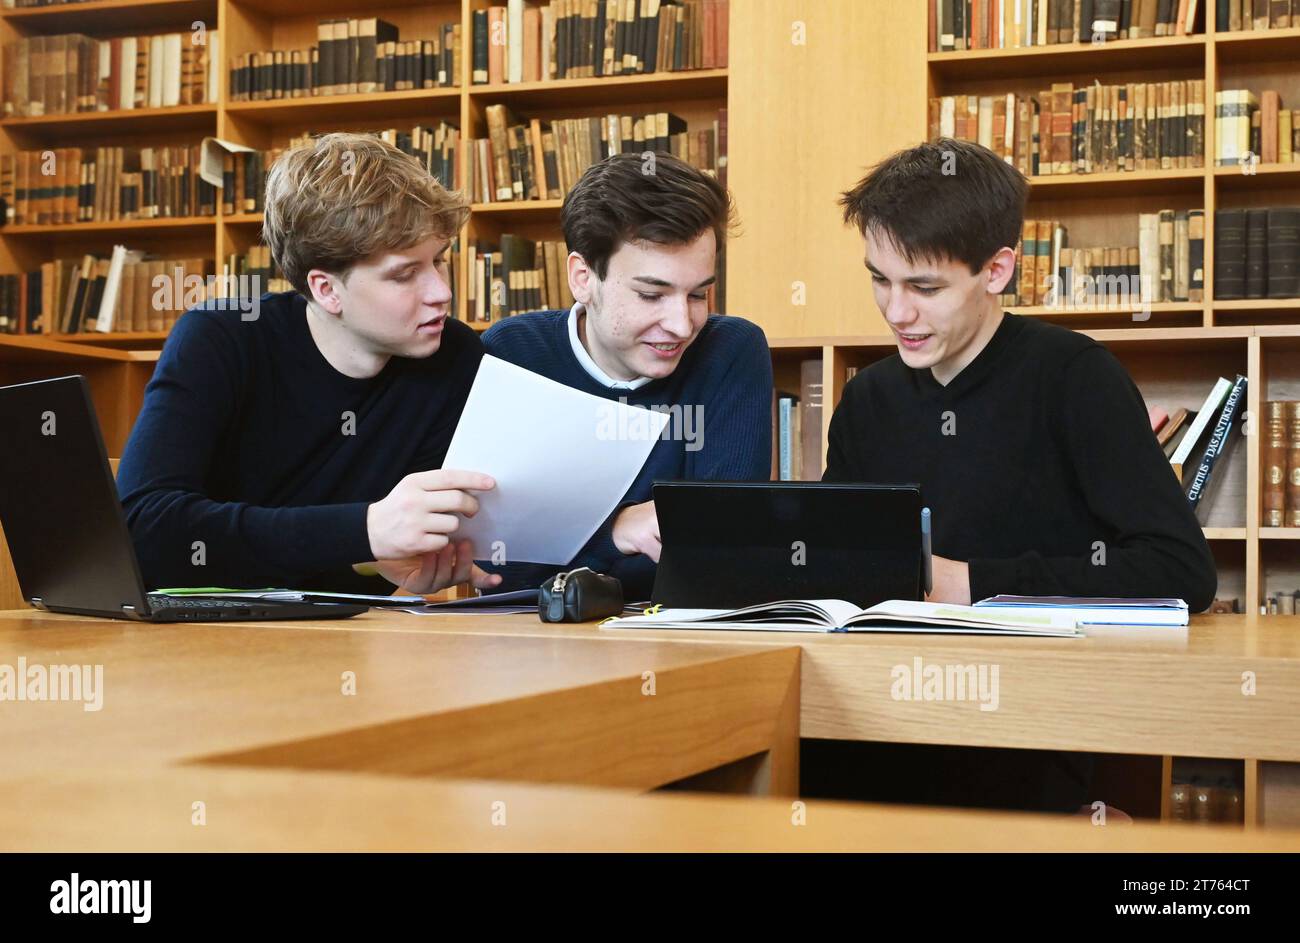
x=942, y=316
x=649, y=307
x=395, y=302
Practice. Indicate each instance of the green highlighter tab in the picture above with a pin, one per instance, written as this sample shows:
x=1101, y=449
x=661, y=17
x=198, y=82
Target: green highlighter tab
x=209, y=590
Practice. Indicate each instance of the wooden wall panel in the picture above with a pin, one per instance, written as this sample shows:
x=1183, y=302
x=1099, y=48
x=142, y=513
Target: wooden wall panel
x=805, y=121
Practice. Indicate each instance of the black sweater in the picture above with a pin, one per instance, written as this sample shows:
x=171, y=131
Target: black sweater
x=250, y=442
x=1049, y=481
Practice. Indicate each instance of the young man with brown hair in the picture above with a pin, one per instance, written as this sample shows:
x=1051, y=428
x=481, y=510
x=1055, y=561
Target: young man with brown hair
x=1030, y=442
x=643, y=238
x=282, y=451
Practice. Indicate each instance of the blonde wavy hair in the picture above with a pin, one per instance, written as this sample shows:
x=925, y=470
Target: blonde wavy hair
x=334, y=202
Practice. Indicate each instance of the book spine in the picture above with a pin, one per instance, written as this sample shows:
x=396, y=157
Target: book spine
x=810, y=418
x=1218, y=440
x=785, y=407
x=1196, y=255
x=1166, y=255
x=1181, y=255
x=1274, y=464
x=1229, y=254
x=1283, y=252
x=1256, y=253
x=480, y=62
x=1292, y=518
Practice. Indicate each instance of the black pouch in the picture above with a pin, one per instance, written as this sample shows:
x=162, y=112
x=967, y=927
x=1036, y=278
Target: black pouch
x=579, y=595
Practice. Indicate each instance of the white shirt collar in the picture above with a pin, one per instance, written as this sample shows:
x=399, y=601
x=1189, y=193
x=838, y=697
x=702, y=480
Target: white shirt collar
x=588, y=364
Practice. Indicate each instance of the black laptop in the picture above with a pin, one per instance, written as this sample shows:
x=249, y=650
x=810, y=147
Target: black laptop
x=64, y=524
x=733, y=544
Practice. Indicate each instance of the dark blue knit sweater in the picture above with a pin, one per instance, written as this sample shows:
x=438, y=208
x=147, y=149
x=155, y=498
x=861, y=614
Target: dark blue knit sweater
x=726, y=373
x=251, y=445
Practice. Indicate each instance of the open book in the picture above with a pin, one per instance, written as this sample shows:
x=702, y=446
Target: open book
x=836, y=615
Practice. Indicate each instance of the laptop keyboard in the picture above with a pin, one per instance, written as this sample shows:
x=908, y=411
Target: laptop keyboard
x=163, y=601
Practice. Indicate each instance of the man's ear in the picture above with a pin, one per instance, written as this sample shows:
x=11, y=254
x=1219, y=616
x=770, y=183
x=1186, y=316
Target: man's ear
x=323, y=287
x=1002, y=267
x=582, y=280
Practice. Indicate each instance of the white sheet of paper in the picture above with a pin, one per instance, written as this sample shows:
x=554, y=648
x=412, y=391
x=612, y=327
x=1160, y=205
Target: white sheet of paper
x=562, y=460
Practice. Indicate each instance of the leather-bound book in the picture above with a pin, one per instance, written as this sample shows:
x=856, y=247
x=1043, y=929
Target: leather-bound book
x=1274, y=464
x=1229, y=254
x=1196, y=255
x=1256, y=253
x=1292, y=518
x=1283, y=252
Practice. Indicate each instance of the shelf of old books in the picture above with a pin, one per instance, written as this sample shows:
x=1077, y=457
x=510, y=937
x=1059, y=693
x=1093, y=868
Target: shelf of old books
x=104, y=15
x=657, y=84
x=248, y=78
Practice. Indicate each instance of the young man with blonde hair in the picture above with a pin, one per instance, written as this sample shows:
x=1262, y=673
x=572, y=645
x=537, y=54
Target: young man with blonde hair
x=284, y=450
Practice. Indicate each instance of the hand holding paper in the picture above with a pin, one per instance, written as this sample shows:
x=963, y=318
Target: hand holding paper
x=420, y=513
x=562, y=461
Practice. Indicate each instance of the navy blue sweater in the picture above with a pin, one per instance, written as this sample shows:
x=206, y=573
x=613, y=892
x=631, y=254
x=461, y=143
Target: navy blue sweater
x=726, y=373
x=250, y=442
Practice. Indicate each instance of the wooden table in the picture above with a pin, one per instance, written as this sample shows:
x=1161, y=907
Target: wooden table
x=286, y=810
x=1149, y=696
x=567, y=710
x=1156, y=697
x=511, y=698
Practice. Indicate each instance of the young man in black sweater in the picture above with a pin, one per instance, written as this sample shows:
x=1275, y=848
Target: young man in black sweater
x=1030, y=441
x=294, y=447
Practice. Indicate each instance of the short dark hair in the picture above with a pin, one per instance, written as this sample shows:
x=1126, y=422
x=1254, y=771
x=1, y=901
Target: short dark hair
x=945, y=199
x=627, y=198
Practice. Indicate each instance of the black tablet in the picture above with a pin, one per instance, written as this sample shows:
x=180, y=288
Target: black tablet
x=732, y=544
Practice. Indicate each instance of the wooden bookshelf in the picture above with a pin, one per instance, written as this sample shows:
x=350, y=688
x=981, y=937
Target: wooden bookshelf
x=1260, y=304
x=1225, y=533
x=420, y=104
x=1156, y=53
x=252, y=25
x=1080, y=186
x=1279, y=533
x=614, y=90
x=1260, y=176
x=80, y=126
x=517, y=207
x=126, y=227
x=127, y=16
x=1253, y=45
x=123, y=339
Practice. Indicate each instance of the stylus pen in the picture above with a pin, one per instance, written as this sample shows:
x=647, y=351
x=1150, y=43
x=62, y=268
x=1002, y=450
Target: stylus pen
x=925, y=549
